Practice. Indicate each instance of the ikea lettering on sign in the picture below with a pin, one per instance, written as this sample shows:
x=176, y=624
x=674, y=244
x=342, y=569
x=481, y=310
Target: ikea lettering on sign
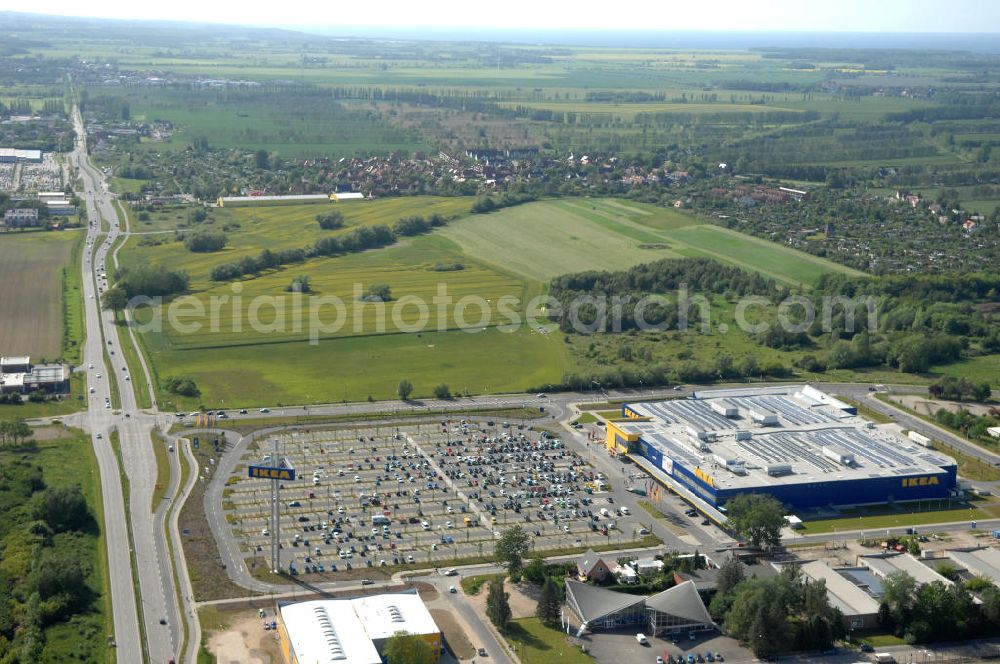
x=920, y=481
x=267, y=473
x=704, y=477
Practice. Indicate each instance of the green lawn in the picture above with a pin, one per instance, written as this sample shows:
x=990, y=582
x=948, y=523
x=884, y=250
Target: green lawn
x=878, y=639
x=879, y=517
x=534, y=643
x=471, y=585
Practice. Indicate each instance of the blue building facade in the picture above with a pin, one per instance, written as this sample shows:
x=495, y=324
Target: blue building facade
x=816, y=494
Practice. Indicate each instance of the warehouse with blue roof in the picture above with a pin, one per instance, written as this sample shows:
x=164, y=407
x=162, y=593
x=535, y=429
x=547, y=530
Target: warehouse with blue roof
x=795, y=443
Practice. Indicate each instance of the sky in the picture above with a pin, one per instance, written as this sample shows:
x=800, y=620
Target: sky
x=906, y=16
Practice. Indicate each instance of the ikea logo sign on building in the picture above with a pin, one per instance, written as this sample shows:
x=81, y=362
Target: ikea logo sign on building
x=267, y=473
x=920, y=481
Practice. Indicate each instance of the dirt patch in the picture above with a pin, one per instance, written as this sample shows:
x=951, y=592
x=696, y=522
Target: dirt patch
x=428, y=593
x=523, y=599
x=49, y=433
x=928, y=407
x=458, y=641
x=245, y=641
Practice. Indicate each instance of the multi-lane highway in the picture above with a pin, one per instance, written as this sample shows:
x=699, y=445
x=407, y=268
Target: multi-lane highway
x=100, y=421
x=134, y=528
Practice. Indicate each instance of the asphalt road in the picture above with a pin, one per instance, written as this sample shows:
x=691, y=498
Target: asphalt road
x=157, y=600
x=100, y=422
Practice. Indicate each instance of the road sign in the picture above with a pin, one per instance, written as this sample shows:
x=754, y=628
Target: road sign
x=269, y=473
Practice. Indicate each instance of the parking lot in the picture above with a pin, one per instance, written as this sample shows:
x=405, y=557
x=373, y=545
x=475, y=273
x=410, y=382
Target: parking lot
x=421, y=495
x=7, y=181
x=46, y=176
x=624, y=648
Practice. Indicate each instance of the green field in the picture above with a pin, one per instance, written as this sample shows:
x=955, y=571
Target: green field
x=546, y=239
x=250, y=344
x=235, y=362
x=982, y=369
x=273, y=120
x=353, y=368
x=281, y=227
x=406, y=268
x=629, y=111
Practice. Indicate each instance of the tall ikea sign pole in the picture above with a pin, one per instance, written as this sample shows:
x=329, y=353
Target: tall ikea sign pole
x=277, y=473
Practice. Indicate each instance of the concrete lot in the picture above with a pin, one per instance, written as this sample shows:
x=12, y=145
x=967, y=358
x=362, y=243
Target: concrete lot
x=621, y=647
x=427, y=480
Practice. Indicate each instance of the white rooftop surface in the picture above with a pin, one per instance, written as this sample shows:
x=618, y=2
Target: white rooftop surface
x=980, y=562
x=328, y=632
x=884, y=565
x=349, y=196
x=12, y=380
x=807, y=422
x=16, y=153
x=384, y=615
x=292, y=197
x=841, y=593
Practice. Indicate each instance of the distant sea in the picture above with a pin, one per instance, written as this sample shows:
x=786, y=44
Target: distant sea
x=977, y=42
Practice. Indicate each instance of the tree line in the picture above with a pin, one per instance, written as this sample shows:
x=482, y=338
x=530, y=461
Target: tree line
x=910, y=323
x=358, y=239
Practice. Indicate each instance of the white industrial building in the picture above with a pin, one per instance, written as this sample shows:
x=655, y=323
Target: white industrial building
x=984, y=562
x=859, y=608
x=17, y=374
x=884, y=564
x=352, y=631
x=14, y=155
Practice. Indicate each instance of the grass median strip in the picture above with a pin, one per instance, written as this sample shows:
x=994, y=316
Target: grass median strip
x=162, y=468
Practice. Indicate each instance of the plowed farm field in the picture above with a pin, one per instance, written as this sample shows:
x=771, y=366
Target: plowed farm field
x=31, y=304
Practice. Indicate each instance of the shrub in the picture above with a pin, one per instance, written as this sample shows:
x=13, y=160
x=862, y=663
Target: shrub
x=329, y=221
x=183, y=386
x=205, y=242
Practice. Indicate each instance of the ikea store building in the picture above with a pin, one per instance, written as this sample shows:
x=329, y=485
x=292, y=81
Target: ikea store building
x=796, y=443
